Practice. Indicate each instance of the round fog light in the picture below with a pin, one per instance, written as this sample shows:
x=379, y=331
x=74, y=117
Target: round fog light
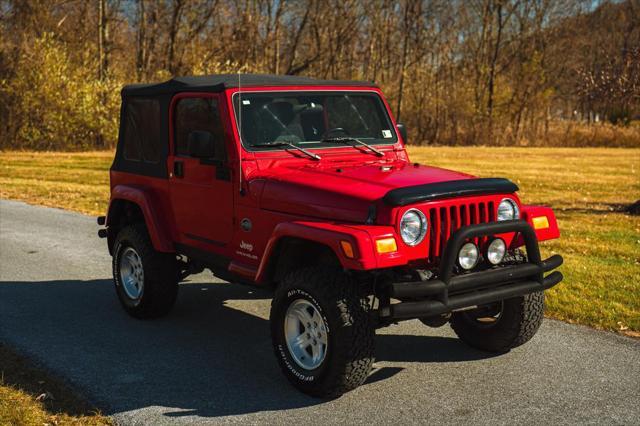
x=468, y=256
x=496, y=251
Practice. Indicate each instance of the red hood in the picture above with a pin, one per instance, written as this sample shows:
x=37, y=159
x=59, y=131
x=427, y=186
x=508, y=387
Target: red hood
x=341, y=192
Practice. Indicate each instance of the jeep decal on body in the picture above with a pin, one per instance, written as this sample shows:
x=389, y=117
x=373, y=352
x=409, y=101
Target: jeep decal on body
x=246, y=246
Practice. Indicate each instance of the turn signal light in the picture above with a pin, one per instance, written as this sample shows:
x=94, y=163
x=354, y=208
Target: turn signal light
x=347, y=248
x=540, y=222
x=386, y=245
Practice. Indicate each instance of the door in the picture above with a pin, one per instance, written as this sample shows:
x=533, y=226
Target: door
x=201, y=187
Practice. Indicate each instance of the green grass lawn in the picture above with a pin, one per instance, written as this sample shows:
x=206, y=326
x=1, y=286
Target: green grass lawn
x=587, y=187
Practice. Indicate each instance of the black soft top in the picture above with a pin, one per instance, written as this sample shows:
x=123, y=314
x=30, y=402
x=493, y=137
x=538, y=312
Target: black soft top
x=144, y=116
x=220, y=82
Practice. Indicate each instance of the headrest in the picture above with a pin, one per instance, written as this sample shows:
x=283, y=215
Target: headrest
x=282, y=110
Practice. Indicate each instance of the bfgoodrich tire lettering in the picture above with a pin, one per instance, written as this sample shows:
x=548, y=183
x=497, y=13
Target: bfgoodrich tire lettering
x=518, y=321
x=160, y=274
x=350, y=331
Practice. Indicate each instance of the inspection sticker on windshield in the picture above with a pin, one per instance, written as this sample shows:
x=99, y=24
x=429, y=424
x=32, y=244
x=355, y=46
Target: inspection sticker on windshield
x=387, y=134
x=246, y=102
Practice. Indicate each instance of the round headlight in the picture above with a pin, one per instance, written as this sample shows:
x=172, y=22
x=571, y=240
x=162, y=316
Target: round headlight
x=413, y=227
x=508, y=210
x=468, y=256
x=496, y=251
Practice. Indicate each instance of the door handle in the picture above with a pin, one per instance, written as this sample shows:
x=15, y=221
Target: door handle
x=178, y=169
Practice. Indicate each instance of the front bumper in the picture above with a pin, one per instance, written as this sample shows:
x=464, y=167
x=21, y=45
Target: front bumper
x=448, y=293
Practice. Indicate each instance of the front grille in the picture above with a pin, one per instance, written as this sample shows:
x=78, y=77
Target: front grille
x=445, y=219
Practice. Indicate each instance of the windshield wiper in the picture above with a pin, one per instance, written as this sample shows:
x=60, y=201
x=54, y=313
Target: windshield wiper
x=356, y=140
x=290, y=145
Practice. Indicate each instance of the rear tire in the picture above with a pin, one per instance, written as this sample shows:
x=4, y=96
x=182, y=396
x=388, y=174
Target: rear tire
x=334, y=356
x=503, y=326
x=146, y=281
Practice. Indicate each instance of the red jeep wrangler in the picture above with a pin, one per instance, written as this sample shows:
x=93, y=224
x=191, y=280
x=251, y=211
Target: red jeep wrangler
x=304, y=186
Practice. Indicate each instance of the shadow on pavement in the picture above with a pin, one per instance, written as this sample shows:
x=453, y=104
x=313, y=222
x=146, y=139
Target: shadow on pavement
x=207, y=358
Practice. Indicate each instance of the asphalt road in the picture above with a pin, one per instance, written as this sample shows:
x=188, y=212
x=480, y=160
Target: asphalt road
x=211, y=359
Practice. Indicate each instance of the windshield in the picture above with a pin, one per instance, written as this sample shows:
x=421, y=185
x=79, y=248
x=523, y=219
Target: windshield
x=307, y=118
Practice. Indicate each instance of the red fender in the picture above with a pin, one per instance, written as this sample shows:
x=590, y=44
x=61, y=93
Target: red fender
x=144, y=200
x=361, y=237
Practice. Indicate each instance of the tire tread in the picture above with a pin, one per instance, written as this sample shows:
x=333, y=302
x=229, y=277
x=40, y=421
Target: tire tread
x=160, y=271
x=355, y=356
x=521, y=320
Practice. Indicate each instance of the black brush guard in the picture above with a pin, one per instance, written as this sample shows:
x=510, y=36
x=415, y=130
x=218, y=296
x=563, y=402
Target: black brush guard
x=449, y=292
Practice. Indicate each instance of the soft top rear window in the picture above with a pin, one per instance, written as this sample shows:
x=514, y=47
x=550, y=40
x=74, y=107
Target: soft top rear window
x=141, y=138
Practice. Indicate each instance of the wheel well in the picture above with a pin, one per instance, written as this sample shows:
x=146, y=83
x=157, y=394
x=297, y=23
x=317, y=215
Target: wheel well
x=296, y=253
x=121, y=213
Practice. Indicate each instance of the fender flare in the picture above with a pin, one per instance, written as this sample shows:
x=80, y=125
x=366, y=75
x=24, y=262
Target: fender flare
x=361, y=239
x=550, y=232
x=145, y=201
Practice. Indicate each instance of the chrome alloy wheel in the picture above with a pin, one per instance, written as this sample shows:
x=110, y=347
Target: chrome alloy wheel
x=306, y=334
x=131, y=273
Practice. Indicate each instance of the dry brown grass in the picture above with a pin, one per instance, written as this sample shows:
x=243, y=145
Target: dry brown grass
x=571, y=134
x=557, y=134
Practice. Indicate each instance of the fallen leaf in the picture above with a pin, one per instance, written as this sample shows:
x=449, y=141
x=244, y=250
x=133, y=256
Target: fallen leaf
x=45, y=396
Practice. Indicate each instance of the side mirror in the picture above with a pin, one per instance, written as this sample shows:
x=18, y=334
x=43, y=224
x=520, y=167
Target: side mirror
x=201, y=144
x=403, y=131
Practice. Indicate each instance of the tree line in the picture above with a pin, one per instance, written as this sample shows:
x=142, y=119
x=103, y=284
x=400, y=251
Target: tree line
x=505, y=72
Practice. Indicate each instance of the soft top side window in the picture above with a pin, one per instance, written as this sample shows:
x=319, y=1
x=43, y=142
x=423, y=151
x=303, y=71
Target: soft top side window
x=141, y=130
x=198, y=114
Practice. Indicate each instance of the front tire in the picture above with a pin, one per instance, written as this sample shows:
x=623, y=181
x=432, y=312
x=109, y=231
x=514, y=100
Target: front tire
x=146, y=281
x=322, y=332
x=501, y=326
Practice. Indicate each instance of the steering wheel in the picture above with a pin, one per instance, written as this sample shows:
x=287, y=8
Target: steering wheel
x=329, y=133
